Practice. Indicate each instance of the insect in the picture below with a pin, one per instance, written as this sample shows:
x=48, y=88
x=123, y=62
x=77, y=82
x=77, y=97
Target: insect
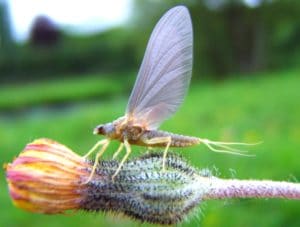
x=160, y=87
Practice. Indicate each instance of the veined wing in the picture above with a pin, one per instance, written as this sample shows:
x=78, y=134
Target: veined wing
x=165, y=73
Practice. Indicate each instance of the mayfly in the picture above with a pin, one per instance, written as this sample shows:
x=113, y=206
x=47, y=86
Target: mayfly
x=160, y=87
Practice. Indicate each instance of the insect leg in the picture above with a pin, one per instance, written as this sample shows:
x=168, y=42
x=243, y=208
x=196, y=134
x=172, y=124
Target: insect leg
x=158, y=140
x=105, y=143
x=128, y=151
x=98, y=144
x=120, y=148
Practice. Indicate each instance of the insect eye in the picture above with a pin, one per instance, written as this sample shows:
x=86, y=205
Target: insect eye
x=99, y=130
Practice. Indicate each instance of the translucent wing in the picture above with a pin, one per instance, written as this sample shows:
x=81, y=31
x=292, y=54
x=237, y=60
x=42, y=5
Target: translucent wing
x=165, y=73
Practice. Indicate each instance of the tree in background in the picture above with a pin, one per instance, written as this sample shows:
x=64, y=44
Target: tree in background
x=232, y=36
x=44, y=33
x=6, y=41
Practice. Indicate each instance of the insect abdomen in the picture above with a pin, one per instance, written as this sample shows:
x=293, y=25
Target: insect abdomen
x=183, y=141
x=176, y=139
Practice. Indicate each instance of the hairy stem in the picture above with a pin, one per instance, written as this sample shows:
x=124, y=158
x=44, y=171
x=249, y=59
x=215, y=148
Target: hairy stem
x=231, y=188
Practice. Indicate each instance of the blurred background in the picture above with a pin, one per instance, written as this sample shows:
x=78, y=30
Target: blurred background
x=67, y=66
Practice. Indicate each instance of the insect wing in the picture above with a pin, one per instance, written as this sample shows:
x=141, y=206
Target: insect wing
x=165, y=73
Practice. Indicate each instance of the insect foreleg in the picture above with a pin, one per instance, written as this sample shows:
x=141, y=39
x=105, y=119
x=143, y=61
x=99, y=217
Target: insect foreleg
x=105, y=143
x=159, y=140
x=120, y=148
x=98, y=144
x=128, y=151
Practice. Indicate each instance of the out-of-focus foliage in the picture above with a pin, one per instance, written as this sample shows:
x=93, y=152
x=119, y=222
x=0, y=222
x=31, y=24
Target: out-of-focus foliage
x=44, y=32
x=58, y=92
x=110, y=51
x=229, y=36
x=6, y=41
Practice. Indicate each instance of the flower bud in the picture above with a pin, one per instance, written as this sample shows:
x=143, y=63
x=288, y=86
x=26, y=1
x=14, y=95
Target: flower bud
x=144, y=191
x=48, y=177
x=45, y=178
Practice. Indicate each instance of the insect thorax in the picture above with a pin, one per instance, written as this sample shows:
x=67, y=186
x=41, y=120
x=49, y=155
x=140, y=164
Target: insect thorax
x=126, y=129
x=133, y=133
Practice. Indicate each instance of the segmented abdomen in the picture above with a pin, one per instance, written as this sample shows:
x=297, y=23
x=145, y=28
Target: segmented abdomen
x=176, y=139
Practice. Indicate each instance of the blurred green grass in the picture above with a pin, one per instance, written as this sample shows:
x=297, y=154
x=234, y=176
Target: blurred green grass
x=265, y=107
x=66, y=89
